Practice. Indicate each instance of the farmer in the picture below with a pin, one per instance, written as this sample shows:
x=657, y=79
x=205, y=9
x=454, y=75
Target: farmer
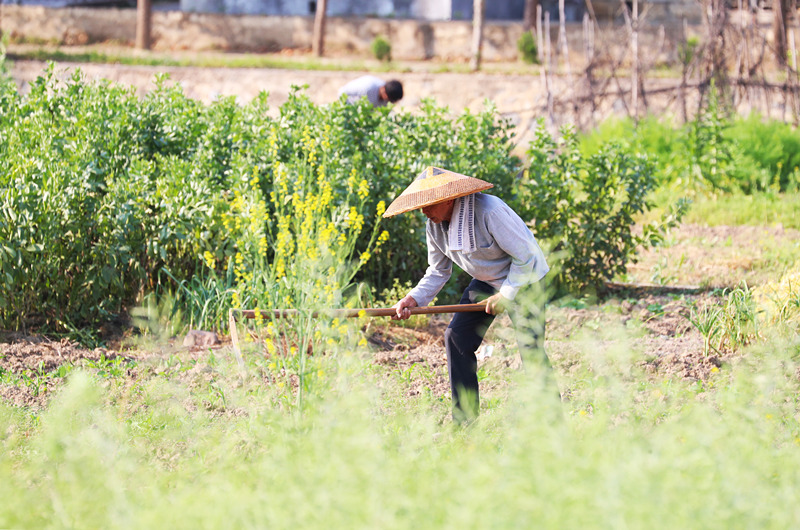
x=376, y=91
x=483, y=236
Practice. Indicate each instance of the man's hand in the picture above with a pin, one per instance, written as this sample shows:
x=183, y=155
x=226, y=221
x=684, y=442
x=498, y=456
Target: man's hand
x=496, y=304
x=403, y=308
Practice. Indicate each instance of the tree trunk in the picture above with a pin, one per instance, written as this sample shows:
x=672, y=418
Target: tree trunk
x=781, y=10
x=144, y=17
x=529, y=15
x=477, y=34
x=318, y=41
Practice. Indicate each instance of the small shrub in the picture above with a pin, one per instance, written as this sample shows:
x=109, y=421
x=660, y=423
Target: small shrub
x=687, y=51
x=163, y=195
x=381, y=48
x=526, y=45
x=583, y=207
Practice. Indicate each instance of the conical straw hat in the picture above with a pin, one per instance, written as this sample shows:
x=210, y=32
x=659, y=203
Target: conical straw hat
x=432, y=186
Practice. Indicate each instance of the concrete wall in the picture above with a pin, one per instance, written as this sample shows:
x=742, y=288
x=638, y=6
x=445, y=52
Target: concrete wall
x=657, y=10
x=176, y=30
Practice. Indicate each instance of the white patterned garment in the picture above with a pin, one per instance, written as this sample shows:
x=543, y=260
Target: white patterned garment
x=462, y=225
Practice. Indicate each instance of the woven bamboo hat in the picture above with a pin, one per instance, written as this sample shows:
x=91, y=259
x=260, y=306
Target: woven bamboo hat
x=432, y=186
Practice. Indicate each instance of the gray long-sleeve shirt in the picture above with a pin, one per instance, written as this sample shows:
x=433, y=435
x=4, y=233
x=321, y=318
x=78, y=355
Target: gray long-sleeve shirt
x=507, y=258
x=367, y=86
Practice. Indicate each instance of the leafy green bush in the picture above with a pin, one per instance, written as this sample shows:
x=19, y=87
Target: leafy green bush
x=526, y=45
x=584, y=207
x=773, y=147
x=105, y=190
x=714, y=152
x=381, y=48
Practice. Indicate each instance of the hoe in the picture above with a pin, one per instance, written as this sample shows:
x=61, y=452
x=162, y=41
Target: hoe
x=236, y=314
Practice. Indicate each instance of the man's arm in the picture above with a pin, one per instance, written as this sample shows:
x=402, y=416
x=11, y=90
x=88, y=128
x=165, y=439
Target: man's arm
x=440, y=267
x=528, y=264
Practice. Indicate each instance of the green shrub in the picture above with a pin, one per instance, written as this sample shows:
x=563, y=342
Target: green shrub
x=526, y=45
x=106, y=191
x=773, y=146
x=381, y=48
x=584, y=207
x=713, y=152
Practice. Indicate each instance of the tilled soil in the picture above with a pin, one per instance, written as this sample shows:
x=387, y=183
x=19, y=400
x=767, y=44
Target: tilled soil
x=667, y=346
x=651, y=327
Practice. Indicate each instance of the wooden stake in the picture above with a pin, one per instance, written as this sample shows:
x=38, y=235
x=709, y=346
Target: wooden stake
x=144, y=17
x=477, y=34
x=539, y=39
x=318, y=40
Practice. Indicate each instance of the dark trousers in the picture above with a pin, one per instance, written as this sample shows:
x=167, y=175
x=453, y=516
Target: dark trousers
x=465, y=334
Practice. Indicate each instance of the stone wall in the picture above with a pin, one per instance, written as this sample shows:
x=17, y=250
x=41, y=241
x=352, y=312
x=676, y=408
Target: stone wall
x=177, y=30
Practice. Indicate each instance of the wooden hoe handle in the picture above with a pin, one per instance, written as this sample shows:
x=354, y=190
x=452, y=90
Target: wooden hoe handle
x=367, y=311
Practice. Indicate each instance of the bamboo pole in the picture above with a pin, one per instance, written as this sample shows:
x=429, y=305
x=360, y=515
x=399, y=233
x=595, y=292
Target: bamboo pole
x=562, y=40
x=588, y=39
x=547, y=67
x=539, y=40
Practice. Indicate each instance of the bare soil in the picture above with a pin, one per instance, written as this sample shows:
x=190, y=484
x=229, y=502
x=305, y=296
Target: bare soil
x=650, y=327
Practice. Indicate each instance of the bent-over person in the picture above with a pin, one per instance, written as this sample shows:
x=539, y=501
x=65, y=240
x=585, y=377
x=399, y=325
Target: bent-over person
x=377, y=91
x=483, y=236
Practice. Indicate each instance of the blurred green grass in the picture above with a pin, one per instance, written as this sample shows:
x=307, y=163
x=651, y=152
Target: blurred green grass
x=219, y=449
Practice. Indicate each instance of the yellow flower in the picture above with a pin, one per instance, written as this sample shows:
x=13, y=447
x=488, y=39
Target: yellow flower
x=381, y=208
x=209, y=259
x=362, y=314
x=363, y=342
x=363, y=188
x=364, y=257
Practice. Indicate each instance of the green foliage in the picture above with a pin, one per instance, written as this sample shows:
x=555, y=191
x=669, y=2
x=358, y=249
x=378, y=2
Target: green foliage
x=526, y=45
x=584, y=208
x=687, y=51
x=712, y=153
x=772, y=149
x=107, y=192
x=381, y=48
x=730, y=324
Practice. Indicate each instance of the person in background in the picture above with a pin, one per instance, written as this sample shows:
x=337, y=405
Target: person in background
x=486, y=239
x=377, y=91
